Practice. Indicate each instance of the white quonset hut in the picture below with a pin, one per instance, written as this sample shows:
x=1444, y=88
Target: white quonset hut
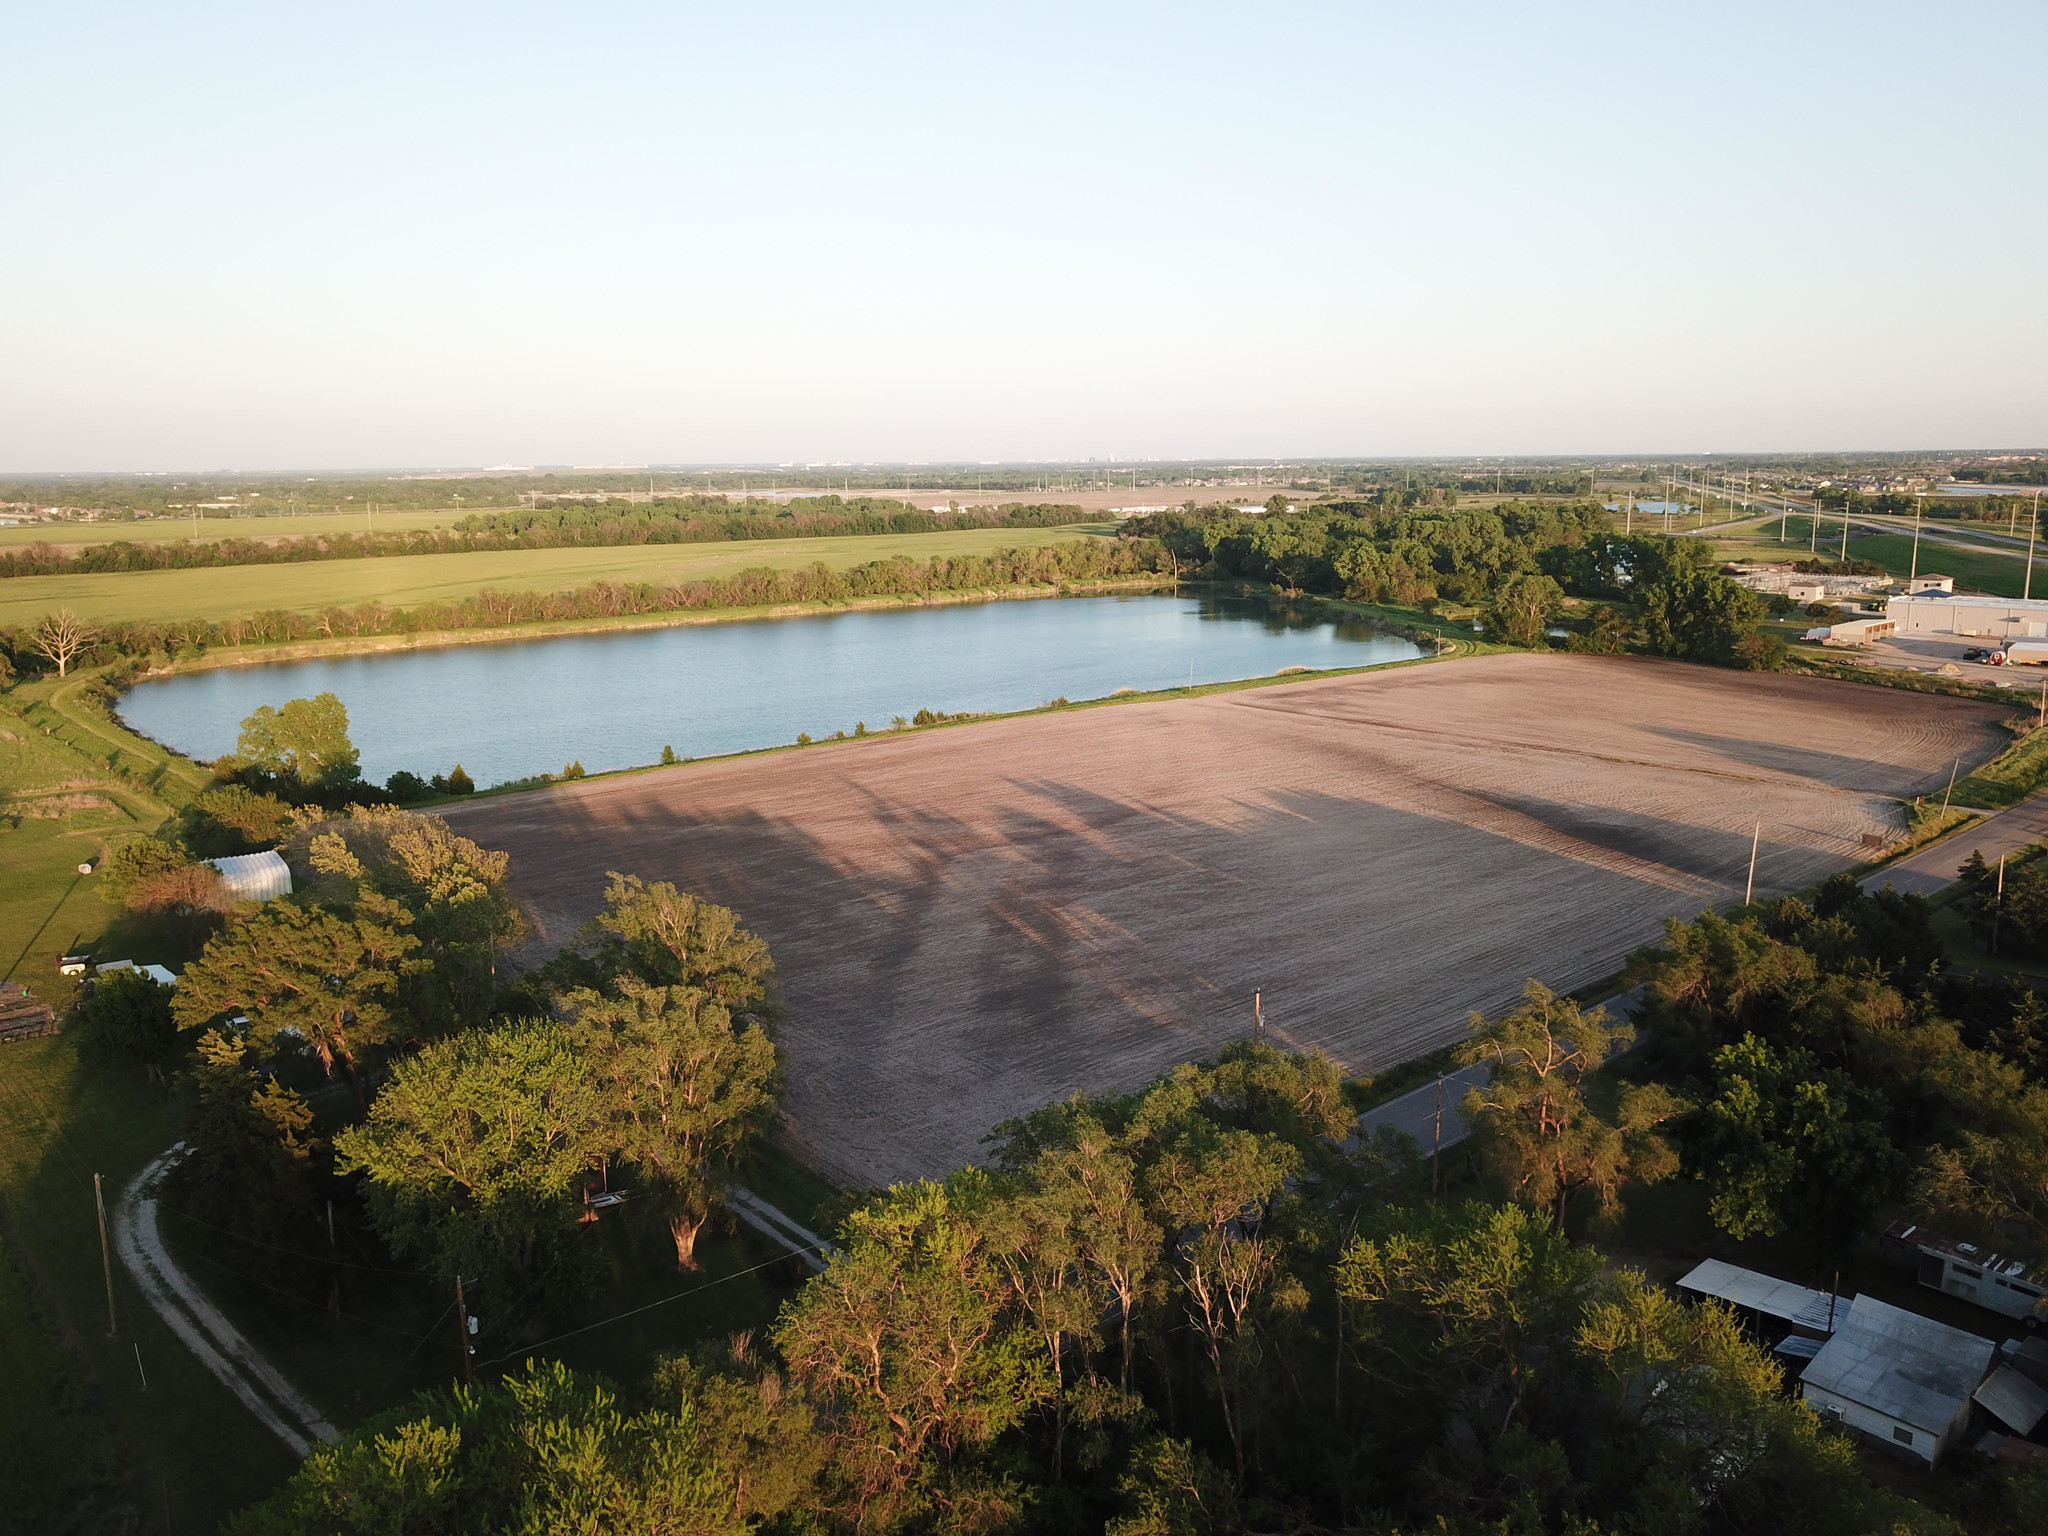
x=1899, y=1379
x=255, y=876
x=1943, y=613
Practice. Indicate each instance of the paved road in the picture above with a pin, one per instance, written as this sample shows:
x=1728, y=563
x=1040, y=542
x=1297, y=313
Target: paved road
x=1416, y=1113
x=1934, y=867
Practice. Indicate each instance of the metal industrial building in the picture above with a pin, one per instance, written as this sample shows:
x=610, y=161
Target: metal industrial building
x=1942, y=613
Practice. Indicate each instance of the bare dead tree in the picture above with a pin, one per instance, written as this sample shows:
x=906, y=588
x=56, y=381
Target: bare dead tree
x=62, y=637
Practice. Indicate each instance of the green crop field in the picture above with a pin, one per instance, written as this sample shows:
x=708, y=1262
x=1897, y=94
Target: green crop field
x=402, y=580
x=164, y=530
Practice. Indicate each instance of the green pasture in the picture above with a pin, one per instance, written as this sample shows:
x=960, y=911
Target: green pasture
x=404, y=580
x=83, y=1446
x=171, y=527
x=1983, y=566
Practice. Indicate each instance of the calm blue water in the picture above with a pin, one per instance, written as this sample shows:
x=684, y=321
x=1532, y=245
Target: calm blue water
x=614, y=700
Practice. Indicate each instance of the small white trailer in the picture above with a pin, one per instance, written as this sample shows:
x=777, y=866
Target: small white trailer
x=1969, y=1273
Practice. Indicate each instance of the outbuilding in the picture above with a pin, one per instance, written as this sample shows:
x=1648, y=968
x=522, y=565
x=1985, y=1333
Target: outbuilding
x=255, y=876
x=1900, y=1380
x=1931, y=582
x=1767, y=1298
x=1852, y=632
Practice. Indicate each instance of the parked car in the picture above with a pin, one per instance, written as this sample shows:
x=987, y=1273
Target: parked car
x=1975, y=653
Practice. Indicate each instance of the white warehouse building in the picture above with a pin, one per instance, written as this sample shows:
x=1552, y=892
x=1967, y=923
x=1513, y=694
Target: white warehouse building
x=1944, y=613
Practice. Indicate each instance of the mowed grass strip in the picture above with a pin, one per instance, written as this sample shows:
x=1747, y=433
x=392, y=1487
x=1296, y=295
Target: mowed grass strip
x=402, y=581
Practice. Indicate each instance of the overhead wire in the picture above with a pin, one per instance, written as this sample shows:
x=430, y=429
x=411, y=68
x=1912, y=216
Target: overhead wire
x=694, y=1290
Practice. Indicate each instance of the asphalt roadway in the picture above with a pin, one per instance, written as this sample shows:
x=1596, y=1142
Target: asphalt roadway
x=1929, y=869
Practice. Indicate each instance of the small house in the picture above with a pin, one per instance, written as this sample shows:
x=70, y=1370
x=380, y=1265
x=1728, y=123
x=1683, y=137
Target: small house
x=1807, y=590
x=255, y=876
x=1900, y=1380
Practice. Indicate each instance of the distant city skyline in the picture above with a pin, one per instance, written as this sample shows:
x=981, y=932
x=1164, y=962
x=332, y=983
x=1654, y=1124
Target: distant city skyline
x=254, y=240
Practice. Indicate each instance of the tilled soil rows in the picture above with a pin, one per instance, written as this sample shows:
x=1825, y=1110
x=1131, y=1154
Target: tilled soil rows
x=974, y=921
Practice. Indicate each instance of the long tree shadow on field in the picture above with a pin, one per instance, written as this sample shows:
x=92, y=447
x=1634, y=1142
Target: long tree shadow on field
x=1861, y=774
x=947, y=965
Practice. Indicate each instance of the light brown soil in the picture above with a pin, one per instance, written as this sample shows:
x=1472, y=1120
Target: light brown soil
x=972, y=922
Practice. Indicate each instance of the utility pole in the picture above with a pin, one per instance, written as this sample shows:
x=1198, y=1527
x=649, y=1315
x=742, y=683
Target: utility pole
x=1950, y=790
x=1436, y=1156
x=1998, y=911
x=1749, y=891
x=1258, y=1019
x=462, y=1332
x=106, y=1259
x=2033, y=531
x=1845, y=528
x=1914, y=573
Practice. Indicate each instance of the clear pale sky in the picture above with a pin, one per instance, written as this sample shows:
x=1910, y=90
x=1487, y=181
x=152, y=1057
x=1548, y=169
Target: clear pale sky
x=289, y=236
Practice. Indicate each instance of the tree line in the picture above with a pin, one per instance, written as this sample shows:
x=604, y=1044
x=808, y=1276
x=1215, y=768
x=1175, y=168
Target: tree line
x=549, y=525
x=1518, y=564
x=1201, y=1307
x=1083, y=560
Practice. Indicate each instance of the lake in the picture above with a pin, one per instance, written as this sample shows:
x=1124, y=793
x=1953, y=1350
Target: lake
x=511, y=710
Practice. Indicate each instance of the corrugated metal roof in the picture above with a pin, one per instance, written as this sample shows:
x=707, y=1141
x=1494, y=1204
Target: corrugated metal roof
x=1788, y=1303
x=255, y=876
x=1907, y=1367
x=2016, y=1402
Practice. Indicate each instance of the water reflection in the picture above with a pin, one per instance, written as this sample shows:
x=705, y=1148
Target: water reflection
x=510, y=710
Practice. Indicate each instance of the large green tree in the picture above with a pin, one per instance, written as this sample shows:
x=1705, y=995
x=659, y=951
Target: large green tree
x=909, y=1343
x=545, y=1452
x=297, y=973
x=1700, y=616
x=669, y=938
x=1787, y=1145
x=471, y=1151
x=682, y=1089
x=414, y=871
x=1532, y=1121
x=305, y=741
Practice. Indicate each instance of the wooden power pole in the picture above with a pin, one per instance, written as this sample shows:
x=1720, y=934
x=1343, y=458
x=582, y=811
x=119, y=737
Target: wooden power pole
x=106, y=1259
x=462, y=1333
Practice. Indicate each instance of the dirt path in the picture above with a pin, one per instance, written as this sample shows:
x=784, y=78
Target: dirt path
x=219, y=1345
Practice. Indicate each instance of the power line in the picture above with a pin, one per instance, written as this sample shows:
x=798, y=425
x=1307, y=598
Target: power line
x=781, y=1258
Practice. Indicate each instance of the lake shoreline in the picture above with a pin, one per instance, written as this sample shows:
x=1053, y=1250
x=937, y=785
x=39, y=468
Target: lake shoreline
x=885, y=671
x=330, y=647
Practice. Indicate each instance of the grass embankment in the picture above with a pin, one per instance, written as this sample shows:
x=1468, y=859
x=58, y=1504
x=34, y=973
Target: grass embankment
x=82, y=1445
x=234, y=592
x=170, y=528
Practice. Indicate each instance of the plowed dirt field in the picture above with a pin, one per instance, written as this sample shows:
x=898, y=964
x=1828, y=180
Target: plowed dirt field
x=974, y=921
